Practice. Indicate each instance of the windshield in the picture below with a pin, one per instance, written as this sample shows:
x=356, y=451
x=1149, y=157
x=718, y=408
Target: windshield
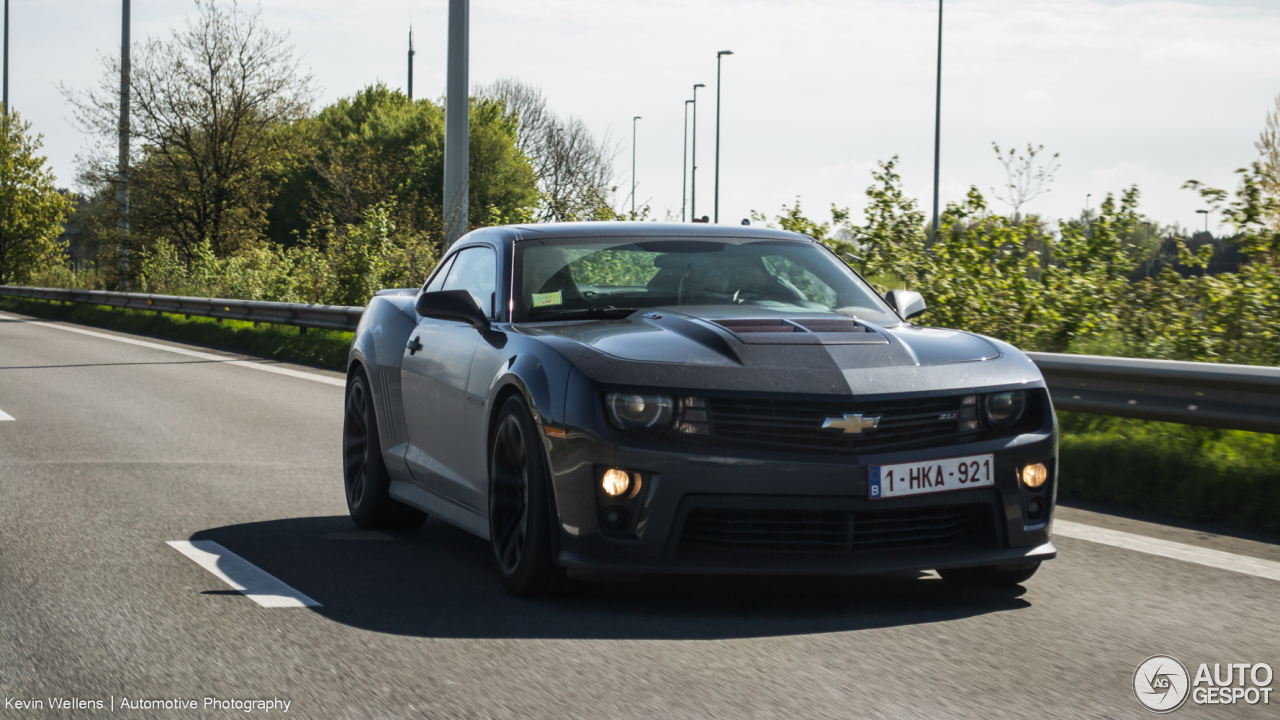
x=568, y=278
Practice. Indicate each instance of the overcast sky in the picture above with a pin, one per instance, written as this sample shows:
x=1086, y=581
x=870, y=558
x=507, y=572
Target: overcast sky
x=1152, y=93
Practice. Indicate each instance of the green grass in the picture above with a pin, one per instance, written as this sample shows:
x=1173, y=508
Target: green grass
x=319, y=348
x=1180, y=471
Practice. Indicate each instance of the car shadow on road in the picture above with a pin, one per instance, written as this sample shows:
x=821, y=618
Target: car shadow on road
x=439, y=581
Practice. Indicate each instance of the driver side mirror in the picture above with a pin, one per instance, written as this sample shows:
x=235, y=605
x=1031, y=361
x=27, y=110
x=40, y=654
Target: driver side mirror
x=452, y=305
x=908, y=303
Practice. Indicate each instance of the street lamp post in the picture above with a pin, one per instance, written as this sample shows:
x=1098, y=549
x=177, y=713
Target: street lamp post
x=411, y=54
x=122, y=193
x=719, y=55
x=457, y=132
x=6, y=57
x=634, y=120
x=1206, y=219
x=937, y=127
x=693, y=178
x=684, y=168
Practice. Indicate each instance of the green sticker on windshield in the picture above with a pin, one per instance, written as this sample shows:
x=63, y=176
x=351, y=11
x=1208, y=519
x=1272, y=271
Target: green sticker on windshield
x=546, y=299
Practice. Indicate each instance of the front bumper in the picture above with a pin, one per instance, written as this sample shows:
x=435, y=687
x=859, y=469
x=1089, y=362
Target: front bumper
x=687, y=489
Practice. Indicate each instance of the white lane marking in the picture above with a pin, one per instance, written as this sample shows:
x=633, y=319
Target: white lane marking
x=1166, y=548
x=190, y=353
x=5, y=416
x=260, y=586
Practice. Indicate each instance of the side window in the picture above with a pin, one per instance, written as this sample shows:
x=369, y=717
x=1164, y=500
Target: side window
x=475, y=271
x=438, y=280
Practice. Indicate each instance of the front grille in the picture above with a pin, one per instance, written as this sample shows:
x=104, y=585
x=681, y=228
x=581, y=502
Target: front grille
x=839, y=531
x=922, y=527
x=797, y=425
x=798, y=530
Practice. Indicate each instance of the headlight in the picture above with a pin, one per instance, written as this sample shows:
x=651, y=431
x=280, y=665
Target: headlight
x=638, y=412
x=1005, y=408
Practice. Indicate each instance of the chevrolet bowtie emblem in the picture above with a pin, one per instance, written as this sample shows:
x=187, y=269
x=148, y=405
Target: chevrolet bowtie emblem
x=852, y=424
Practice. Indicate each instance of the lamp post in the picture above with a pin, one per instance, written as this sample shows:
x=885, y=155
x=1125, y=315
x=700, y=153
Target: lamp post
x=693, y=177
x=634, y=120
x=457, y=132
x=937, y=127
x=1206, y=219
x=122, y=193
x=719, y=55
x=411, y=53
x=684, y=169
x=6, y=57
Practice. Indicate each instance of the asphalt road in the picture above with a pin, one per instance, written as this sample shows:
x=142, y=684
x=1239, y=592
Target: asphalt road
x=116, y=448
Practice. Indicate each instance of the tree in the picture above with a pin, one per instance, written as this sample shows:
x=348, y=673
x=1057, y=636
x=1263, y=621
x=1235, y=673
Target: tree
x=31, y=208
x=1024, y=180
x=575, y=172
x=205, y=106
x=356, y=153
x=1268, y=145
x=377, y=145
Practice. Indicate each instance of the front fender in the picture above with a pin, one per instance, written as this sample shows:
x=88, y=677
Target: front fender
x=539, y=374
x=378, y=346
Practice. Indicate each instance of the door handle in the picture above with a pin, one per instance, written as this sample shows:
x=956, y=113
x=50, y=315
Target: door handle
x=414, y=346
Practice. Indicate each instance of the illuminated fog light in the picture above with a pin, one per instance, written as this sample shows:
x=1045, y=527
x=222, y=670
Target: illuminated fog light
x=1033, y=476
x=615, y=482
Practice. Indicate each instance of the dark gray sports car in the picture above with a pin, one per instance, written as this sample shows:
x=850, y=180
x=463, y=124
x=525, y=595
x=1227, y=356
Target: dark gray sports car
x=642, y=397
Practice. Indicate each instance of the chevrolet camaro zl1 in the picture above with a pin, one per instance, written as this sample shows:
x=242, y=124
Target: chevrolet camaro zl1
x=656, y=398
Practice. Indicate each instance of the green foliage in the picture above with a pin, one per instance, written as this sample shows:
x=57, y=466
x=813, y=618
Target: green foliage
x=320, y=348
x=335, y=265
x=31, y=208
x=363, y=150
x=613, y=268
x=1013, y=279
x=1187, y=472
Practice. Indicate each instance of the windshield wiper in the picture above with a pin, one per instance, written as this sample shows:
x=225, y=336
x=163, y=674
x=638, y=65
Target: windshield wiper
x=602, y=312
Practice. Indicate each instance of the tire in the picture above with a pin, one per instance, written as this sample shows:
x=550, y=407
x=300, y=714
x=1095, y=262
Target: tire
x=993, y=576
x=364, y=474
x=520, y=513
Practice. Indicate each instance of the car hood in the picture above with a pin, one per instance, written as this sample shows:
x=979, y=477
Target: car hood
x=745, y=349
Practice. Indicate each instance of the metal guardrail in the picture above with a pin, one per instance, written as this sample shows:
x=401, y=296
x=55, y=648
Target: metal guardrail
x=1239, y=397
x=328, y=317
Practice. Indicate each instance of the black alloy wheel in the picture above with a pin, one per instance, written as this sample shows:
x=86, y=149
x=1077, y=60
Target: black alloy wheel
x=364, y=473
x=520, y=517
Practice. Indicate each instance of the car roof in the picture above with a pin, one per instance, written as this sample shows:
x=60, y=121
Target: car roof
x=534, y=231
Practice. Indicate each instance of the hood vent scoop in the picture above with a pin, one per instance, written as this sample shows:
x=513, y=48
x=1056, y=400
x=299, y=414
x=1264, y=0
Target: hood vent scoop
x=802, y=331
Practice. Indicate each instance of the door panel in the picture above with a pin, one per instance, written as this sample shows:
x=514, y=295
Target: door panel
x=435, y=391
x=435, y=378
